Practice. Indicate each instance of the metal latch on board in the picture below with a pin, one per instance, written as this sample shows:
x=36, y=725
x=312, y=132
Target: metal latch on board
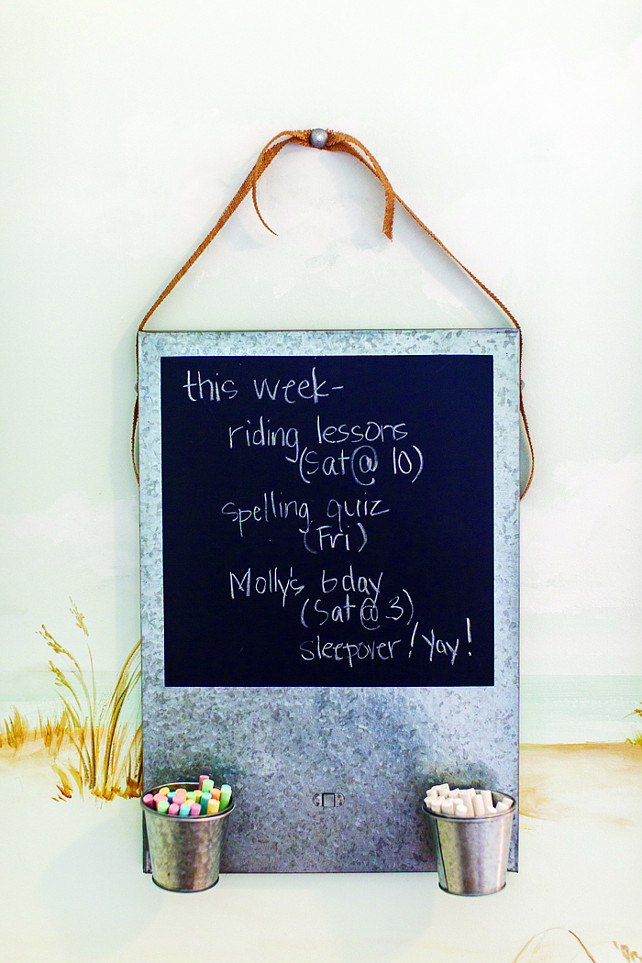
x=328, y=800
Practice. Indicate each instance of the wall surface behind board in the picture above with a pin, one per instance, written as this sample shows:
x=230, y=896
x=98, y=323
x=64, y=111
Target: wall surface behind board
x=514, y=133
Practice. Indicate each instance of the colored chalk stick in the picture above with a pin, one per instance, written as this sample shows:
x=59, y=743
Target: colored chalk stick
x=207, y=800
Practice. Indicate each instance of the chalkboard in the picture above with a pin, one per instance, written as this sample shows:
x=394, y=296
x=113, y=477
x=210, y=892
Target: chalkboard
x=328, y=520
x=330, y=582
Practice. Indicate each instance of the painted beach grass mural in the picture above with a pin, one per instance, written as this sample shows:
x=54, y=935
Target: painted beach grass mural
x=637, y=739
x=91, y=742
x=79, y=736
x=90, y=734
x=564, y=946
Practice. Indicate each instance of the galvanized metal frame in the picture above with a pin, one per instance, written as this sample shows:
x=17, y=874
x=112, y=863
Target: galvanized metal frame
x=374, y=750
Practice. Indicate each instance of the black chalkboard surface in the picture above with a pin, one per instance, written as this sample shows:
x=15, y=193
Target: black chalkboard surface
x=328, y=520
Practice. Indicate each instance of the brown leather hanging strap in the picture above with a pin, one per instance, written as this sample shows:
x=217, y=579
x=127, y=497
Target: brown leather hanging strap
x=332, y=141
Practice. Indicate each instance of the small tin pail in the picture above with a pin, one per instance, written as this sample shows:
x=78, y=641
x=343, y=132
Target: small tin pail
x=472, y=851
x=185, y=851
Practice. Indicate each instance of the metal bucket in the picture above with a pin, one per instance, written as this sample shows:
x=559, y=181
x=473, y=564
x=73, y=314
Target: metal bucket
x=472, y=851
x=185, y=851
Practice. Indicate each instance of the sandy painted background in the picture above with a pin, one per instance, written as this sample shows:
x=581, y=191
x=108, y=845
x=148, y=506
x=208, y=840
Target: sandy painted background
x=514, y=133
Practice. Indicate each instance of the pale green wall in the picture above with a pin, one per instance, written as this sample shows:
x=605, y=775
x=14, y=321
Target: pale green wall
x=515, y=135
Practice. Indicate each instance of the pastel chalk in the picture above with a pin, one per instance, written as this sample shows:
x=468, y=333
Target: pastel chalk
x=148, y=799
x=212, y=807
x=195, y=809
x=185, y=809
x=173, y=809
x=226, y=795
x=180, y=795
x=162, y=805
x=216, y=792
x=201, y=780
x=207, y=785
x=164, y=791
x=205, y=798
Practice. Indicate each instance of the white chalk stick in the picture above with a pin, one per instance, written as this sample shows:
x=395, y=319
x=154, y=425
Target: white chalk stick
x=435, y=804
x=487, y=796
x=478, y=806
x=443, y=790
x=503, y=806
x=469, y=795
x=461, y=810
x=448, y=807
